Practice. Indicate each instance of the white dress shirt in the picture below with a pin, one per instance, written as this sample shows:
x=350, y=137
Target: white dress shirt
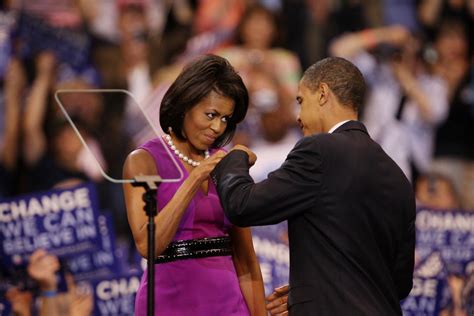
x=336, y=126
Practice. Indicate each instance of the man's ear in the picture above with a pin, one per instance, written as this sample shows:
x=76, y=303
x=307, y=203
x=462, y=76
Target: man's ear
x=323, y=93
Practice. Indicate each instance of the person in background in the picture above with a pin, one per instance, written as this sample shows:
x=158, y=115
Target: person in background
x=432, y=13
x=454, y=142
x=14, y=88
x=43, y=269
x=270, y=73
x=199, y=114
x=436, y=191
x=21, y=301
x=468, y=294
x=405, y=101
x=59, y=160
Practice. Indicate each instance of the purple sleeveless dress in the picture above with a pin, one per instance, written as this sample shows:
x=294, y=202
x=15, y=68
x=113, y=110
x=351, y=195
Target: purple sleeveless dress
x=203, y=286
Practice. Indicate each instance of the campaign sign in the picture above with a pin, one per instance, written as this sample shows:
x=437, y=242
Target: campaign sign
x=63, y=222
x=100, y=263
x=116, y=295
x=429, y=285
x=273, y=254
x=5, y=307
x=451, y=233
x=34, y=35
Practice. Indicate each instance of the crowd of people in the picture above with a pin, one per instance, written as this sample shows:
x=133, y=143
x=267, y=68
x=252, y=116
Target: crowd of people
x=416, y=57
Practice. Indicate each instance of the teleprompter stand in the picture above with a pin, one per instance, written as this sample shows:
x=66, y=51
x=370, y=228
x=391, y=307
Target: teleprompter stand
x=150, y=184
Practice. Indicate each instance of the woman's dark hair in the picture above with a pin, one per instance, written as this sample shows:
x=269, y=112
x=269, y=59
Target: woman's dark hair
x=200, y=77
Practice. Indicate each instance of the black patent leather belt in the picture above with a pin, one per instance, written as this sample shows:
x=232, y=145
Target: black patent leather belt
x=196, y=248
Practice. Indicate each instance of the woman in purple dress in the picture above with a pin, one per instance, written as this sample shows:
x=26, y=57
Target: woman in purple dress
x=204, y=264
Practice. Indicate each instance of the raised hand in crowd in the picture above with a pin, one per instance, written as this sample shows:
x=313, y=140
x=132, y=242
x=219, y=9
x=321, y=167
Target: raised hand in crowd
x=21, y=301
x=405, y=77
x=351, y=44
x=15, y=83
x=77, y=301
x=430, y=12
x=456, y=285
x=35, y=141
x=43, y=268
x=80, y=298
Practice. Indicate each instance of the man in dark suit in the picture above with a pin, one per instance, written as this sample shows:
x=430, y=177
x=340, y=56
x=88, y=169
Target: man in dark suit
x=350, y=209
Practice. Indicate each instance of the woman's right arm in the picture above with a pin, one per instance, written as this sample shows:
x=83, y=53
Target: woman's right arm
x=140, y=162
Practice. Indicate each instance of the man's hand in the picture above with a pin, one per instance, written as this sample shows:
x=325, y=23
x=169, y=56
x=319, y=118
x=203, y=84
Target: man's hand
x=277, y=302
x=252, y=156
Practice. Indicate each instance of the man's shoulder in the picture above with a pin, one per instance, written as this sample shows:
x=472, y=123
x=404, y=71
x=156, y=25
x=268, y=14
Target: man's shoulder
x=308, y=142
x=316, y=142
x=322, y=139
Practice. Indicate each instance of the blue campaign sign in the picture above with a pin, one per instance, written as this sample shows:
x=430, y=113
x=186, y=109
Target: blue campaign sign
x=63, y=222
x=449, y=232
x=100, y=263
x=428, y=295
x=5, y=307
x=116, y=295
x=273, y=254
x=60, y=221
x=33, y=35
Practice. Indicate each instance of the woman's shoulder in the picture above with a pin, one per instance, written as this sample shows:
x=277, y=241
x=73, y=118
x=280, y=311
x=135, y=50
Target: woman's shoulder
x=151, y=149
x=157, y=147
x=151, y=144
x=139, y=161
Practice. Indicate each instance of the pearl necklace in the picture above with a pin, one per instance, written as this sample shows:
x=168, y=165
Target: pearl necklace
x=184, y=158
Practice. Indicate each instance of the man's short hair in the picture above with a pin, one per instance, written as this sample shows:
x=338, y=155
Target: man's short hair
x=343, y=78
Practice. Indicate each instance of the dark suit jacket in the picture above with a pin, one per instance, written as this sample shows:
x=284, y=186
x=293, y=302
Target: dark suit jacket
x=351, y=217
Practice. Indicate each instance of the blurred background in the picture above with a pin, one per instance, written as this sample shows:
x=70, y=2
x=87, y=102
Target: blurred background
x=416, y=56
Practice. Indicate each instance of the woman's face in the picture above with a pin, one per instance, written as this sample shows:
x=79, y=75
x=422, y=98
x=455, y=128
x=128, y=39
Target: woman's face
x=207, y=120
x=258, y=31
x=67, y=145
x=451, y=45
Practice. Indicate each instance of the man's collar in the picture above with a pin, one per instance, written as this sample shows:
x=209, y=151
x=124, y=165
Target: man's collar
x=336, y=126
x=351, y=125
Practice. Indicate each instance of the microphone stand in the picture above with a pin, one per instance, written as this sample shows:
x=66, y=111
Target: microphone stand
x=150, y=184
